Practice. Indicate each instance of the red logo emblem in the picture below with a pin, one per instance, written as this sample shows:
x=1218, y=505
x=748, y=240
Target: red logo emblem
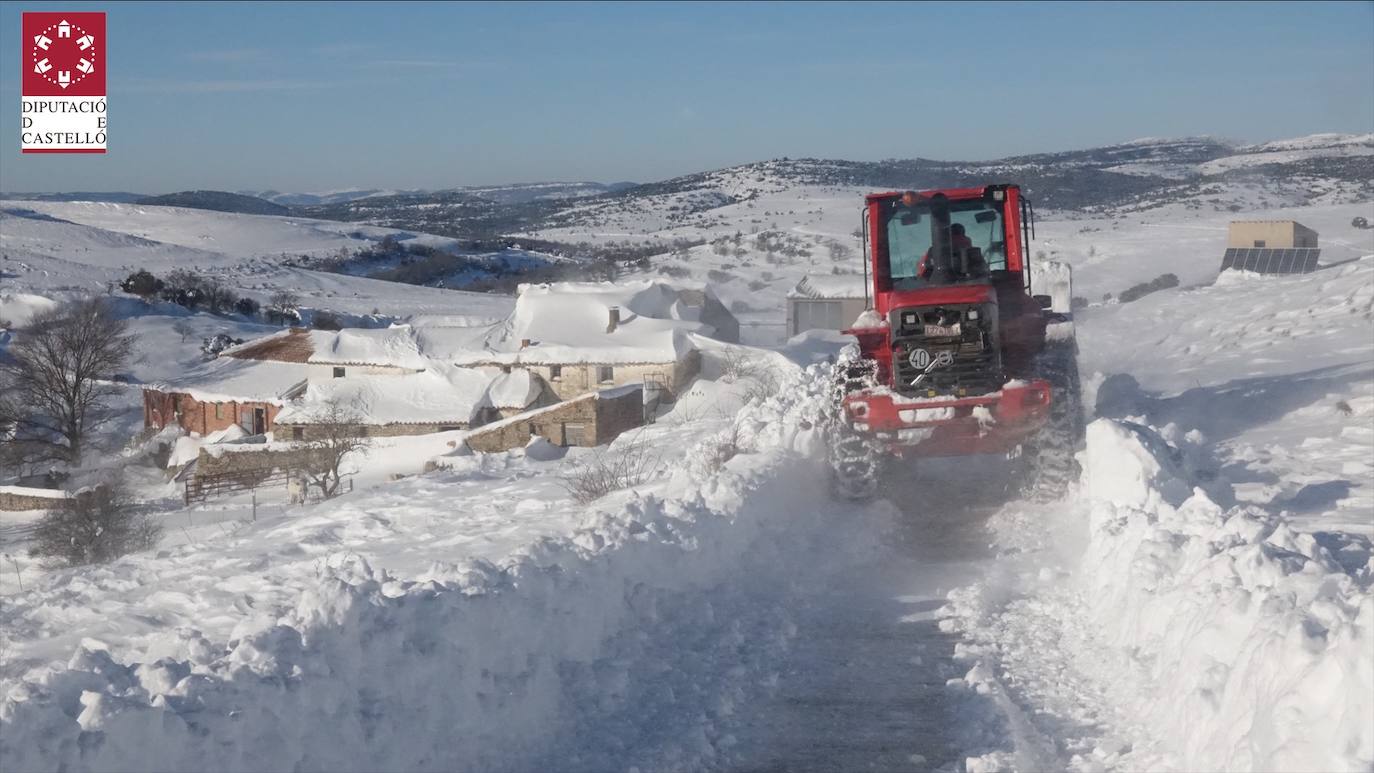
x=64, y=55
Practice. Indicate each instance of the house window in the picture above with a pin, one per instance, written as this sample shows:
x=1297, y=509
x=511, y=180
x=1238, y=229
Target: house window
x=574, y=434
x=338, y=373
x=219, y=410
x=605, y=374
x=1259, y=244
x=555, y=372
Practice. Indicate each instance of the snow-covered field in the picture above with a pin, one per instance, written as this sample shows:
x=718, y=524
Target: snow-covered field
x=81, y=247
x=1203, y=599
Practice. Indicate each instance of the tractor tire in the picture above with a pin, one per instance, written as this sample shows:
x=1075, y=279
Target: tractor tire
x=856, y=465
x=1048, y=464
x=856, y=460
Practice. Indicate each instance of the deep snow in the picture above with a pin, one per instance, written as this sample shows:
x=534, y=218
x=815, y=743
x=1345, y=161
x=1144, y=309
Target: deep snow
x=1201, y=601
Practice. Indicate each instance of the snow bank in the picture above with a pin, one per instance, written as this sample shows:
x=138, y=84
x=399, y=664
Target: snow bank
x=16, y=309
x=475, y=666
x=1248, y=646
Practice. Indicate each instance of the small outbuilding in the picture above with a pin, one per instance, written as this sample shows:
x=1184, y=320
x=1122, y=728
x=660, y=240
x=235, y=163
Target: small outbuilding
x=1270, y=247
x=592, y=419
x=825, y=302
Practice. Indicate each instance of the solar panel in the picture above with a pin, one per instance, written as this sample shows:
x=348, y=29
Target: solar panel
x=1295, y=260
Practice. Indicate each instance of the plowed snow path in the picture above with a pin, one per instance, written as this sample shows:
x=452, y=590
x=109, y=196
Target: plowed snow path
x=865, y=686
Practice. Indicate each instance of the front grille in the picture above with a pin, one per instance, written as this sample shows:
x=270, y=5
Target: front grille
x=974, y=367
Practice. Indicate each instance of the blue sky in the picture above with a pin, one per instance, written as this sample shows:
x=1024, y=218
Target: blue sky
x=319, y=96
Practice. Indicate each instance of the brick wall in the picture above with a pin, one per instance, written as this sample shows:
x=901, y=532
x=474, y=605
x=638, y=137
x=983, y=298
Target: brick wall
x=161, y=408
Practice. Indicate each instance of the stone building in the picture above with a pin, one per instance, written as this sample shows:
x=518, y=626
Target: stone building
x=585, y=336
x=592, y=419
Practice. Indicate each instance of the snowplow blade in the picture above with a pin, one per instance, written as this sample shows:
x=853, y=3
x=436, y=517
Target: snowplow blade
x=985, y=424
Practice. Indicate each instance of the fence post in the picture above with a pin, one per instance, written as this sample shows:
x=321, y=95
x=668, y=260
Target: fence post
x=255, y=504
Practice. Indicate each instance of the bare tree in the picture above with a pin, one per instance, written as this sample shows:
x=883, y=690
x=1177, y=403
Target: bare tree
x=95, y=526
x=281, y=307
x=333, y=434
x=56, y=384
x=184, y=328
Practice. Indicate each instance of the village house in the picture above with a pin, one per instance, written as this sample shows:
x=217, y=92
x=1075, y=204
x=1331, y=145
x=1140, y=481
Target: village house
x=249, y=384
x=562, y=343
x=580, y=337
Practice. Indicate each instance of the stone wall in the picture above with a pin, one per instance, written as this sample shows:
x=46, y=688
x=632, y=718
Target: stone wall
x=547, y=423
x=266, y=459
x=601, y=417
x=287, y=432
x=614, y=415
x=13, y=499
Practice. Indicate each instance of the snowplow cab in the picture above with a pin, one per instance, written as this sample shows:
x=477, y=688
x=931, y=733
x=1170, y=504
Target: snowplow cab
x=949, y=344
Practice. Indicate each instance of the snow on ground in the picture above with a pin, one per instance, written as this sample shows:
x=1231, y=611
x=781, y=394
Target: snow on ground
x=54, y=248
x=1201, y=602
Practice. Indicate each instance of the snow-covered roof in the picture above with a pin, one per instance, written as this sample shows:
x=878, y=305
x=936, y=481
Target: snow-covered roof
x=233, y=379
x=437, y=396
x=826, y=286
x=393, y=346
x=516, y=389
x=441, y=394
x=570, y=322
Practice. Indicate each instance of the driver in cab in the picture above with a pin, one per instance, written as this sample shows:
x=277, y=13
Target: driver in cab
x=958, y=241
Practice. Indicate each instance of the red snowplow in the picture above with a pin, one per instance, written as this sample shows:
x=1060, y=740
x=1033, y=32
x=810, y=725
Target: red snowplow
x=957, y=354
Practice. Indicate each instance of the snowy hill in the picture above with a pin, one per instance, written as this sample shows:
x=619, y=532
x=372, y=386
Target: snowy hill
x=52, y=247
x=217, y=201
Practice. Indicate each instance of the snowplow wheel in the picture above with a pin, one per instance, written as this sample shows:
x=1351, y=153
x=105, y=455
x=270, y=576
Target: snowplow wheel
x=1048, y=465
x=855, y=466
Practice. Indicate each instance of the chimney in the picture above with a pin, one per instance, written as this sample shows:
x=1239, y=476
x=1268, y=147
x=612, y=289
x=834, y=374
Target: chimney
x=614, y=321
x=524, y=343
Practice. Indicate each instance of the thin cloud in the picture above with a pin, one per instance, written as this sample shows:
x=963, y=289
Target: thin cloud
x=431, y=64
x=219, y=86
x=229, y=55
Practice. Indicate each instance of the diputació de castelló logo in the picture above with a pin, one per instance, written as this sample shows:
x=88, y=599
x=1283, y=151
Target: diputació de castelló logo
x=63, y=64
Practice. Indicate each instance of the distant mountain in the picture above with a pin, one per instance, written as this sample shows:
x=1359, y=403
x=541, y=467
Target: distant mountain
x=513, y=193
x=115, y=197
x=218, y=201
x=1122, y=177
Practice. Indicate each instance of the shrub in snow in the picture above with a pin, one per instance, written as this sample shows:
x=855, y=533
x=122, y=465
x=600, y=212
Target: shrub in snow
x=98, y=525
x=1136, y=292
x=143, y=284
x=325, y=320
x=211, y=347
x=610, y=469
x=247, y=307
